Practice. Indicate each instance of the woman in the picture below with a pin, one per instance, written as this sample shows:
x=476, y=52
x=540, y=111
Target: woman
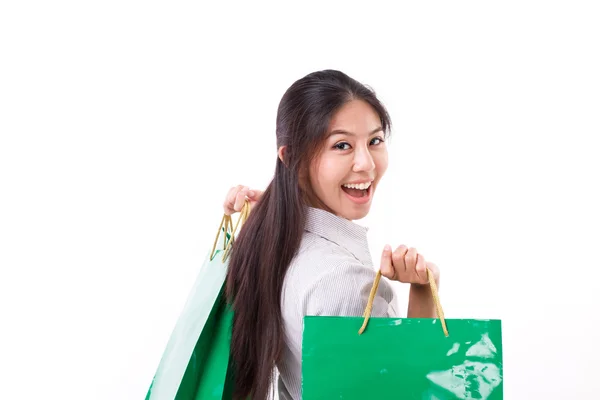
x=299, y=253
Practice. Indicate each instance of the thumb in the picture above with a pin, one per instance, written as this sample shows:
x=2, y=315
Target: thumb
x=386, y=267
x=254, y=194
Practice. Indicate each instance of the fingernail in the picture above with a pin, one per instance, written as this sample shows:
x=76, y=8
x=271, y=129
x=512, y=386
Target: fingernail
x=251, y=193
x=387, y=247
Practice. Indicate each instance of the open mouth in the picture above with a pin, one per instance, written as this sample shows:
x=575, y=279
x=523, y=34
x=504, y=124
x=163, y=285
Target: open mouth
x=359, y=191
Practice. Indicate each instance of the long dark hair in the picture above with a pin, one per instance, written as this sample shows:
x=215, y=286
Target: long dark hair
x=271, y=236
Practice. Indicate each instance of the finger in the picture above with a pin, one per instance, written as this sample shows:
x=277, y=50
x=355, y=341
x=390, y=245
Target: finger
x=230, y=200
x=410, y=259
x=421, y=269
x=240, y=198
x=254, y=195
x=386, y=267
x=398, y=261
x=233, y=193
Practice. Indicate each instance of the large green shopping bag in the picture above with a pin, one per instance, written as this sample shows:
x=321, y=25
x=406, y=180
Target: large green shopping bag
x=195, y=363
x=401, y=358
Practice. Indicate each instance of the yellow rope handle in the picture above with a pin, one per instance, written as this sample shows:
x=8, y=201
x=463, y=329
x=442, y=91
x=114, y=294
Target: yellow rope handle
x=228, y=227
x=224, y=224
x=243, y=217
x=436, y=301
x=434, y=292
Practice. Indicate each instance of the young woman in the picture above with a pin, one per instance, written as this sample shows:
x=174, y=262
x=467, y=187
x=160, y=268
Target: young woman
x=299, y=252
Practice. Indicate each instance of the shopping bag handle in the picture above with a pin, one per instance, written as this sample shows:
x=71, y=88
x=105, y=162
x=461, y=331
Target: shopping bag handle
x=227, y=226
x=434, y=292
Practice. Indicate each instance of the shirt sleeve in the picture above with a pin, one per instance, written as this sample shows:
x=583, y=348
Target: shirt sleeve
x=344, y=291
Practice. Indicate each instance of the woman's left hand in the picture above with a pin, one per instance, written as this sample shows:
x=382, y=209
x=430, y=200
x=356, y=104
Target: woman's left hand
x=406, y=265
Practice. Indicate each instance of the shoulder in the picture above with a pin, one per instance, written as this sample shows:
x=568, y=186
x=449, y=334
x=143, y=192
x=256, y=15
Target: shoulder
x=326, y=279
x=317, y=257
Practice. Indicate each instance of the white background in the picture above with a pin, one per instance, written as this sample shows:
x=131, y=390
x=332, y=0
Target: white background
x=124, y=123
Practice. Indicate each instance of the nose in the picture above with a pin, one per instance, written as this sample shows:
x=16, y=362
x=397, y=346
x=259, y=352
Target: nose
x=363, y=161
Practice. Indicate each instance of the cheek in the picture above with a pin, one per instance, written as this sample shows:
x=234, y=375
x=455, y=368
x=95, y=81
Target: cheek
x=316, y=175
x=333, y=171
x=327, y=174
x=381, y=163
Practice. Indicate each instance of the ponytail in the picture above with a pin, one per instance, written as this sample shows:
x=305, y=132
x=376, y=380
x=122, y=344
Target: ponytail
x=259, y=261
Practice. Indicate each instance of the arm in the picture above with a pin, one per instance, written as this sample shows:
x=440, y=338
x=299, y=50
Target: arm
x=420, y=302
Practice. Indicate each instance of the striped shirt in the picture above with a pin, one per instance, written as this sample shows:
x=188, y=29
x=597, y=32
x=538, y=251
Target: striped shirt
x=332, y=275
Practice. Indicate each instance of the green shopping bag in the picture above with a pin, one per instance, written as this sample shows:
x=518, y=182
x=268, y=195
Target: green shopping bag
x=195, y=363
x=401, y=358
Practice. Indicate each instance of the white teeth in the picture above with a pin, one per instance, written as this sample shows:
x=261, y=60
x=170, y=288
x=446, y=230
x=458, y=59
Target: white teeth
x=361, y=186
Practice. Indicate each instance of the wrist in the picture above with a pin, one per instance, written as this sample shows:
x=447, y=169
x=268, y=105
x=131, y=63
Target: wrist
x=425, y=286
x=419, y=287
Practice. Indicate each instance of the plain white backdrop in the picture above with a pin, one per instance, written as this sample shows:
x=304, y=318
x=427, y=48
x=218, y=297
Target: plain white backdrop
x=123, y=124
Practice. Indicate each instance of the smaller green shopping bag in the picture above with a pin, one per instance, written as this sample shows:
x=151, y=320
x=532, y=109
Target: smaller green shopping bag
x=401, y=358
x=195, y=363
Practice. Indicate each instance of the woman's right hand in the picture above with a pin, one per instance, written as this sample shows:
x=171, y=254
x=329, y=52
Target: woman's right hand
x=406, y=265
x=237, y=196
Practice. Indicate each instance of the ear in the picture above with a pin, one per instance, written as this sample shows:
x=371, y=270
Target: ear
x=281, y=154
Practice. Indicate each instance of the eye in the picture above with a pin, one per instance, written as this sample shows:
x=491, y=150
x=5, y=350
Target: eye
x=342, y=146
x=376, y=141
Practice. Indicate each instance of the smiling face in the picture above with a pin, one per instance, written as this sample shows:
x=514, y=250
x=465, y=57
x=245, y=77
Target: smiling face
x=344, y=176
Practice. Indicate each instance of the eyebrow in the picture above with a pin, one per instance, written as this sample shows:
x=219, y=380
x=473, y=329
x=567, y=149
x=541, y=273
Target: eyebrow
x=343, y=132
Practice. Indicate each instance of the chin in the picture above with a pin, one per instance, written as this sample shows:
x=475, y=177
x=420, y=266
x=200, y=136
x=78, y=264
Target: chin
x=356, y=214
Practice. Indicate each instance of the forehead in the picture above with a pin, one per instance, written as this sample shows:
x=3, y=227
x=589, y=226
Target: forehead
x=356, y=116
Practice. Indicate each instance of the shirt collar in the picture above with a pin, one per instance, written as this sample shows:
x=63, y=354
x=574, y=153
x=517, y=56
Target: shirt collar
x=340, y=231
